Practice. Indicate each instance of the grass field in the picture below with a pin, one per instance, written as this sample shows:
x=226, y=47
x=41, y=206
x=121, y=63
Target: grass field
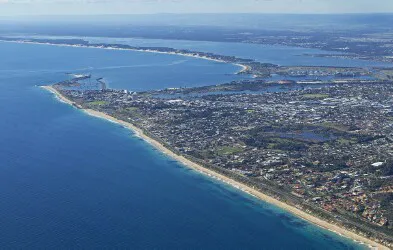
x=97, y=103
x=228, y=150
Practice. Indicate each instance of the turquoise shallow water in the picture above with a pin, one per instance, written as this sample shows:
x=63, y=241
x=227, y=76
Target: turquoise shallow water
x=68, y=180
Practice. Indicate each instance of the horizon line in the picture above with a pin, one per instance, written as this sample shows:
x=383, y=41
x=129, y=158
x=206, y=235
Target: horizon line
x=203, y=13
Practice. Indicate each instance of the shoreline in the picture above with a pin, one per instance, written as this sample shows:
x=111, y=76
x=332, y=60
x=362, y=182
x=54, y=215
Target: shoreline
x=243, y=67
x=222, y=178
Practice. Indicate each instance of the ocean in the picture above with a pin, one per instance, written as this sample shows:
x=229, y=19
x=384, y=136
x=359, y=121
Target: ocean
x=69, y=180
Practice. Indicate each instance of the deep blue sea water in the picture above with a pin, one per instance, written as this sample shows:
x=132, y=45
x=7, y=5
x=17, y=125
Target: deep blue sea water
x=71, y=181
x=122, y=69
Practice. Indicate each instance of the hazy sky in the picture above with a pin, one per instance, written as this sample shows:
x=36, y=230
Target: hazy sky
x=45, y=7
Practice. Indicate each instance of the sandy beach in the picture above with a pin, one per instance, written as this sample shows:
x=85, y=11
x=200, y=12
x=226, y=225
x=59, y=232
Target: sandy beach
x=242, y=66
x=299, y=213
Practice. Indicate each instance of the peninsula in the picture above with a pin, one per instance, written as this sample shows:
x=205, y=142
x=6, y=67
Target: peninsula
x=258, y=70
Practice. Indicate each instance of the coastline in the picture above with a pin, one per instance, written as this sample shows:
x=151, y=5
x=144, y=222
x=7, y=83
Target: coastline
x=257, y=194
x=243, y=67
